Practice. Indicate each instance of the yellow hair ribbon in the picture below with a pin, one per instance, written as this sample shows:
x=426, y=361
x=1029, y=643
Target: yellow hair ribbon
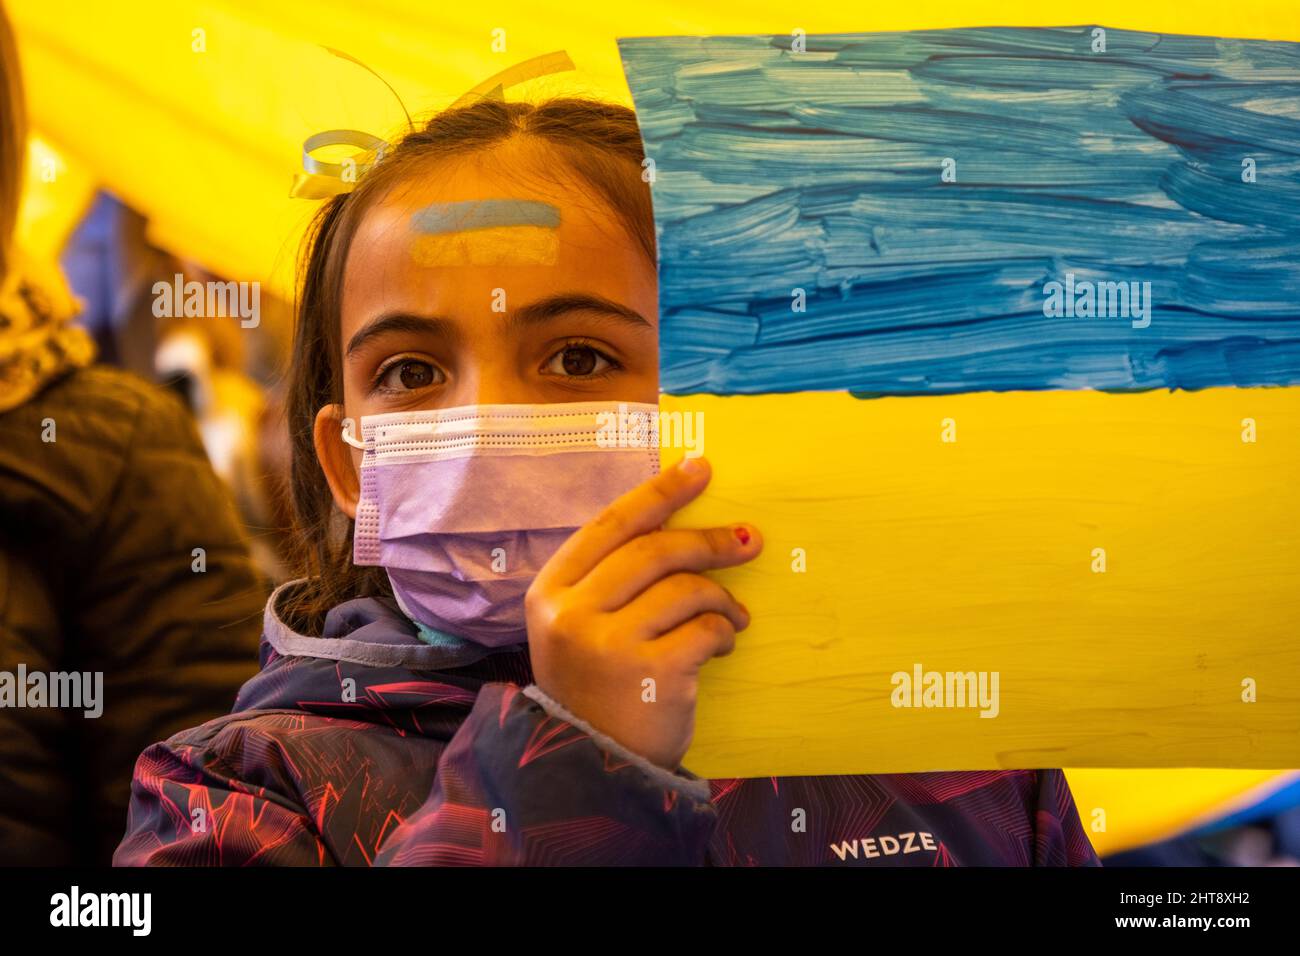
x=322, y=180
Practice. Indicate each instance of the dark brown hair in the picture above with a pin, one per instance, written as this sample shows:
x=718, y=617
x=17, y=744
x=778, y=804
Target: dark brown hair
x=598, y=143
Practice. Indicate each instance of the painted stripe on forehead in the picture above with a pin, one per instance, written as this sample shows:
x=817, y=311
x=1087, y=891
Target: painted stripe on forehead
x=445, y=217
x=497, y=246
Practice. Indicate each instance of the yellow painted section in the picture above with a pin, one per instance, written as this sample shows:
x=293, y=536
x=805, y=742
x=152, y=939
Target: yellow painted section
x=981, y=554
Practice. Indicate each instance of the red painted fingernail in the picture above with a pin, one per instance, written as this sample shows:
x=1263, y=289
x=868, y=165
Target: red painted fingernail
x=742, y=535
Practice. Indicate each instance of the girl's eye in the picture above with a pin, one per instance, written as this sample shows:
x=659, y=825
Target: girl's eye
x=578, y=361
x=407, y=375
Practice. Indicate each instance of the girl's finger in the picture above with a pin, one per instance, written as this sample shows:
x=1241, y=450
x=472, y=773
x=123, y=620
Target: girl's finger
x=674, y=601
x=644, y=508
x=690, y=646
x=637, y=565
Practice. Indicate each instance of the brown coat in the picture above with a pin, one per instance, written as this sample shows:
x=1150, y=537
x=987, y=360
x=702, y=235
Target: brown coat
x=97, y=538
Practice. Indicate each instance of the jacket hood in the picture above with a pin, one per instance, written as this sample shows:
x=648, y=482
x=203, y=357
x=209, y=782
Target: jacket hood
x=367, y=639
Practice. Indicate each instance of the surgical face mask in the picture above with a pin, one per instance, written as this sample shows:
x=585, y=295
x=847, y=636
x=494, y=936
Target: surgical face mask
x=462, y=506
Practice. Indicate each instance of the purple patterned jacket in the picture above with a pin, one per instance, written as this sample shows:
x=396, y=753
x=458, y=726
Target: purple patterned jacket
x=368, y=746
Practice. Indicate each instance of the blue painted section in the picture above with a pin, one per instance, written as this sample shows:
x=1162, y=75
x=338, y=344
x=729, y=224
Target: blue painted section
x=447, y=217
x=823, y=171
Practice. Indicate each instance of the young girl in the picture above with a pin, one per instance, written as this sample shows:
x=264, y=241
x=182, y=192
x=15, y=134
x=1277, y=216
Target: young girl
x=458, y=678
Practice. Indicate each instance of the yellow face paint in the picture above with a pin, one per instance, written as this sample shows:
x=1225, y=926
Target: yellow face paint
x=504, y=245
x=486, y=232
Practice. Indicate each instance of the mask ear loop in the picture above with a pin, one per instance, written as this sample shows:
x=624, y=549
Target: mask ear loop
x=349, y=434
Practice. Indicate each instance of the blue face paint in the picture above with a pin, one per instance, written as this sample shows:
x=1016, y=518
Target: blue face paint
x=486, y=232
x=445, y=217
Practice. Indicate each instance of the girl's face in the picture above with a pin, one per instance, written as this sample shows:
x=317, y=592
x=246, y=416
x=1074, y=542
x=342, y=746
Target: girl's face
x=547, y=299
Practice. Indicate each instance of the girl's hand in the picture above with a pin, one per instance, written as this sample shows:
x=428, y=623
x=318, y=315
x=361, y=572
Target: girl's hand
x=623, y=601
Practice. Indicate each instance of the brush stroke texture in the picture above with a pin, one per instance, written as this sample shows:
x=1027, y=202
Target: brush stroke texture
x=821, y=170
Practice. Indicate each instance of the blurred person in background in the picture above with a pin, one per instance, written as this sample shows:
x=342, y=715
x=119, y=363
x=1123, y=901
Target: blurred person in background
x=106, y=495
x=226, y=376
x=238, y=409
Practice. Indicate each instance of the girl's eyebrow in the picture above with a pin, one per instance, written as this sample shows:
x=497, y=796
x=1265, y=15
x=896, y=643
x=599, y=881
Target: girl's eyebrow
x=554, y=306
x=534, y=313
x=404, y=322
